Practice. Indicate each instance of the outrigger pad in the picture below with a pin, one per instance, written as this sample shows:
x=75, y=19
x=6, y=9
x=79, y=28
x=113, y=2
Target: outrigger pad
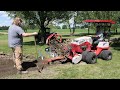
x=41, y=65
x=76, y=59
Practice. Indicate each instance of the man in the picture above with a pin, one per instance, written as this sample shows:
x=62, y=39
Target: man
x=15, y=41
x=99, y=36
x=72, y=25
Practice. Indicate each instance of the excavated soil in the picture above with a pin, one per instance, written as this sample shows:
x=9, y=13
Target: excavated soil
x=7, y=66
x=30, y=64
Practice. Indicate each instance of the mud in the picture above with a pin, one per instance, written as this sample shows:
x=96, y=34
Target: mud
x=30, y=64
x=7, y=66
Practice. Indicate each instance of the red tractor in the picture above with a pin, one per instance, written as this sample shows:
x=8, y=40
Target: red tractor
x=70, y=49
x=102, y=49
x=78, y=49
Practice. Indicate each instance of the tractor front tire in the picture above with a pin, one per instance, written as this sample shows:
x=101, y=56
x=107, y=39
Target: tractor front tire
x=106, y=55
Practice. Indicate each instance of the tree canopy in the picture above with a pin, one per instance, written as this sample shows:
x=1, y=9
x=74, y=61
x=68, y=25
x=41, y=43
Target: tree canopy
x=41, y=19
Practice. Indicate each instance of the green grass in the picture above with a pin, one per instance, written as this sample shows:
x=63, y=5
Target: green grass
x=4, y=44
x=101, y=70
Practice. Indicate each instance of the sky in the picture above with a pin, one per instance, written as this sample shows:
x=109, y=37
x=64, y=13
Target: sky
x=4, y=19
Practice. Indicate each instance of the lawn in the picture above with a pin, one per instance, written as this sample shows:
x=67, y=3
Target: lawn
x=101, y=70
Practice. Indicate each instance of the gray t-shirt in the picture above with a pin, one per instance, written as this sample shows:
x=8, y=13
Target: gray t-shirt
x=15, y=36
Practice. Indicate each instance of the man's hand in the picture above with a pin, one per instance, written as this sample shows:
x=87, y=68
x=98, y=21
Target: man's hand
x=35, y=33
x=90, y=35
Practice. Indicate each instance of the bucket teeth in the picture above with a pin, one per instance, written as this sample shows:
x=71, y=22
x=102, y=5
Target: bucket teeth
x=42, y=65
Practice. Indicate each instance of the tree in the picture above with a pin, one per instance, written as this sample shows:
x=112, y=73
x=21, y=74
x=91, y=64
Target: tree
x=82, y=15
x=40, y=18
x=64, y=27
x=4, y=27
x=109, y=15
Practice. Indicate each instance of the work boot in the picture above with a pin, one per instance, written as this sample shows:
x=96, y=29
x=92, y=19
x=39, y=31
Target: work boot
x=22, y=72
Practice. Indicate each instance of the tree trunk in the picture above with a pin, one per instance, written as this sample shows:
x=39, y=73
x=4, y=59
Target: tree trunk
x=116, y=30
x=88, y=30
x=42, y=30
x=42, y=34
x=70, y=29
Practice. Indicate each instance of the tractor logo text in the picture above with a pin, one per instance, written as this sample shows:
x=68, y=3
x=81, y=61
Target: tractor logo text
x=104, y=44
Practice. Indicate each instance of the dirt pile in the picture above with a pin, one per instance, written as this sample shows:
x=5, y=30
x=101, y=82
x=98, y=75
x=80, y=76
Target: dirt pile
x=7, y=65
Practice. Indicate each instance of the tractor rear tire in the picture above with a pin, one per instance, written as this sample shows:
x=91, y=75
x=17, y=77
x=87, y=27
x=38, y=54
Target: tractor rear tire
x=84, y=54
x=91, y=58
x=106, y=55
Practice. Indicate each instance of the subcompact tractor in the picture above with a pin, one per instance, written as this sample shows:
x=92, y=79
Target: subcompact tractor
x=76, y=50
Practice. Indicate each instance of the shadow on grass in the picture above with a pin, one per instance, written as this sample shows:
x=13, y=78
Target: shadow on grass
x=29, y=43
x=26, y=65
x=32, y=43
x=80, y=34
x=116, y=46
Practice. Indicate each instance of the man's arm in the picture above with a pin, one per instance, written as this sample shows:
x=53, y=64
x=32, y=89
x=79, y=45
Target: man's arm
x=20, y=31
x=29, y=34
